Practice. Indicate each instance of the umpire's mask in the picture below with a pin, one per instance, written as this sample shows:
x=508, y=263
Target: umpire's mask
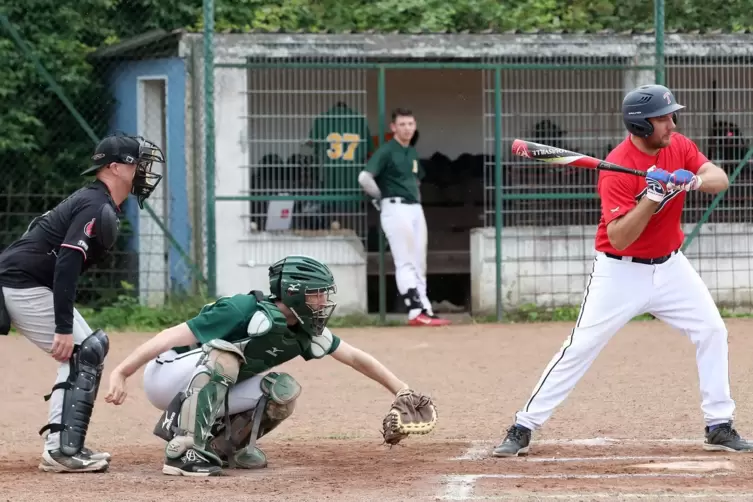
x=145, y=181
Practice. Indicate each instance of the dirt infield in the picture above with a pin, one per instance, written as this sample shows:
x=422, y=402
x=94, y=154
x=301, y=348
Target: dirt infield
x=636, y=410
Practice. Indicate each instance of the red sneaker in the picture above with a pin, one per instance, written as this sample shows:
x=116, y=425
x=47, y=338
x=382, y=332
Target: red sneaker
x=423, y=319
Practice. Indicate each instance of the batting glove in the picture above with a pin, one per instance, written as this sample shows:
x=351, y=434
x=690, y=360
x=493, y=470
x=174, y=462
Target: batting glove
x=684, y=180
x=656, y=181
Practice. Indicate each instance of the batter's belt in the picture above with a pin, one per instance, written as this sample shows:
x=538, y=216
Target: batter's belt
x=398, y=200
x=645, y=261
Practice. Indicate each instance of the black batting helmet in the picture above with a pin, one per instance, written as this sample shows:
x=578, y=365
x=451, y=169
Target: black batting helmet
x=645, y=102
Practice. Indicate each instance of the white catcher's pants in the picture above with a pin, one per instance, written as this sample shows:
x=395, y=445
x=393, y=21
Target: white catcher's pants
x=171, y=373
x=404, y=226
x=617, y=291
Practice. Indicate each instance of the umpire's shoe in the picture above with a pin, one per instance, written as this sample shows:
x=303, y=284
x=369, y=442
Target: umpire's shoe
x=56, y=461
x=191, y=463
x=724, y=437
x=515, y=443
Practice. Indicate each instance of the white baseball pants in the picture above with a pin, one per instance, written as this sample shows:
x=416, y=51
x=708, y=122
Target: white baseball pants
x=171, y=373
x=618, y=291
x=404, y=226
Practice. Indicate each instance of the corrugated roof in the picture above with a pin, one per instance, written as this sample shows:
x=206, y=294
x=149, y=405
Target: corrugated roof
x=419, y=31
x=235, y=47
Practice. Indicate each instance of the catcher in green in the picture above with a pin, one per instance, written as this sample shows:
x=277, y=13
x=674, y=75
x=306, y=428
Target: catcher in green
x=210, y=375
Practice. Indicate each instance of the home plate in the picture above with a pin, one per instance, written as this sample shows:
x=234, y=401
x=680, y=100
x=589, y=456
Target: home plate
x=703, y=466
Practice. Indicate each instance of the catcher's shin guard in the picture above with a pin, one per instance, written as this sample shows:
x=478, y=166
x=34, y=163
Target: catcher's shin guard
x=279, y=394
x=80, y=392
x=201, y=404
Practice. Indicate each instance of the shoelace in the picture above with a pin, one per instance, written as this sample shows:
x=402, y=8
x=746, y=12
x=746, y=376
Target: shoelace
x=514, y=433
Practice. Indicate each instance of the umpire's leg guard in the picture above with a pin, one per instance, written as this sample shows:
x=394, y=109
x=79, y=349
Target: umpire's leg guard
x=80, y=392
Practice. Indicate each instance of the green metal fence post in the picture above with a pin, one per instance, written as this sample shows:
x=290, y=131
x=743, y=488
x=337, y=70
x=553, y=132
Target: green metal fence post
x=498, y=189
x=659, y=28
x=382, y=104
x=209, y=161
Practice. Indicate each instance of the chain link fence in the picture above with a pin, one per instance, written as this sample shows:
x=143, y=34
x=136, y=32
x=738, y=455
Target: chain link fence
x=60, y=97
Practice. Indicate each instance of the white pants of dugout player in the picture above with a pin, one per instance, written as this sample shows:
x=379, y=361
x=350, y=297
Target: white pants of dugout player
x=404, y=226
x=32, y=314
x=616, y=292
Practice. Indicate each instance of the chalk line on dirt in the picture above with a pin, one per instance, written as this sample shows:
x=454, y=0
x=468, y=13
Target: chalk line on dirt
x=460, y=486
x=524, y=496
x=479, y=450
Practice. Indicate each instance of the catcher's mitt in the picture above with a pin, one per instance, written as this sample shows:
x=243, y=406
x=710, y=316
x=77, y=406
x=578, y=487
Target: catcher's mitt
x=410, y=413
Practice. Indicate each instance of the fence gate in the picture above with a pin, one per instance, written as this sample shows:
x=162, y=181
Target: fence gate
x=302, y=117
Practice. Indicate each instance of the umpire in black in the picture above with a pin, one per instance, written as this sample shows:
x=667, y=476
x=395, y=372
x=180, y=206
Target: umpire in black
x=39, y=273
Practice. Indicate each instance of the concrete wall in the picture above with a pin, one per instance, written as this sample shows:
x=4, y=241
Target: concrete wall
x=550, y=266
x=344, y=255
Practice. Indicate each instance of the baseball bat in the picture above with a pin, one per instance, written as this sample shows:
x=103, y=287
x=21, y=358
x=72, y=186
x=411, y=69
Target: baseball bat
x=553, y=155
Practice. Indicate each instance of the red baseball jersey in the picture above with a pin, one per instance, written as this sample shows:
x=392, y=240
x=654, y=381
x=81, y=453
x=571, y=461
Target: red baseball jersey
x=621, y=192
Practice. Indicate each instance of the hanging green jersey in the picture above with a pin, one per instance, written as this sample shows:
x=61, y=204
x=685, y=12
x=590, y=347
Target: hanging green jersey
x=260, y=330
x=342, y=143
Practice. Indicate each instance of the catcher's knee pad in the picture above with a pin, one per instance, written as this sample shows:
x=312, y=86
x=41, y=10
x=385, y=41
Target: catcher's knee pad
x=281, y=391
x=200, y=405
x=80, y=392
x=279, y=394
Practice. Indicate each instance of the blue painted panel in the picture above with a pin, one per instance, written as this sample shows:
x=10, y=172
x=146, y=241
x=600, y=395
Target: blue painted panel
x=124, y=83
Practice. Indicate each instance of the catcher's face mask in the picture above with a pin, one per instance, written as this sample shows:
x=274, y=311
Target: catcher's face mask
x=305, y=286
x=144, y=180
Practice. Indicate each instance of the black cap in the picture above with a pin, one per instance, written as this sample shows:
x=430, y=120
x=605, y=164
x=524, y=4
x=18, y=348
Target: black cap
x=117, y=148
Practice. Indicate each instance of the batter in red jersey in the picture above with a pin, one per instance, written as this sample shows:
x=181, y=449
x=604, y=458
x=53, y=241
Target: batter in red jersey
x=639, y=269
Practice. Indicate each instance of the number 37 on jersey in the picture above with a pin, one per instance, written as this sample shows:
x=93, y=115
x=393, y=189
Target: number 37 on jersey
x=342, y=146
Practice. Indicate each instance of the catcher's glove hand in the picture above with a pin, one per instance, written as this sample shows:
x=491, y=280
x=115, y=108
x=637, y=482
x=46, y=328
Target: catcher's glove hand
x=410, y=413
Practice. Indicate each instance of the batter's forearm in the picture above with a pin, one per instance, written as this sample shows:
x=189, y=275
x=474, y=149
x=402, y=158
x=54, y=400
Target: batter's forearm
x=623, y=231
x=366, y=180
x=713, y=179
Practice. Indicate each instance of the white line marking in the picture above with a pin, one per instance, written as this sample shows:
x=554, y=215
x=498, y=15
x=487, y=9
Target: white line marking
x=460, y=486
x=479, y=450
x=595, y=476
x=476, y=451
x=614, y=496
x=614, y=458
x=612, y=442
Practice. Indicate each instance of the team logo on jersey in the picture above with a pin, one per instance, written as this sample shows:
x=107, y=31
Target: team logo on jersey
x=89, y=229
x=667, y=196
x=415, y=167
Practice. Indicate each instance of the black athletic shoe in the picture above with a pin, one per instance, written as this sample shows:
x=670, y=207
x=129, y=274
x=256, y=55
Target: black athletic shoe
x=191, y=463
x=725, y=438
x=515, y=443
x=55, y=461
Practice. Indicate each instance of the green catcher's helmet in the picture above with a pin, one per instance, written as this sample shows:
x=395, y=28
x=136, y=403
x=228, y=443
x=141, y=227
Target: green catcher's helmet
x=304, y=285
